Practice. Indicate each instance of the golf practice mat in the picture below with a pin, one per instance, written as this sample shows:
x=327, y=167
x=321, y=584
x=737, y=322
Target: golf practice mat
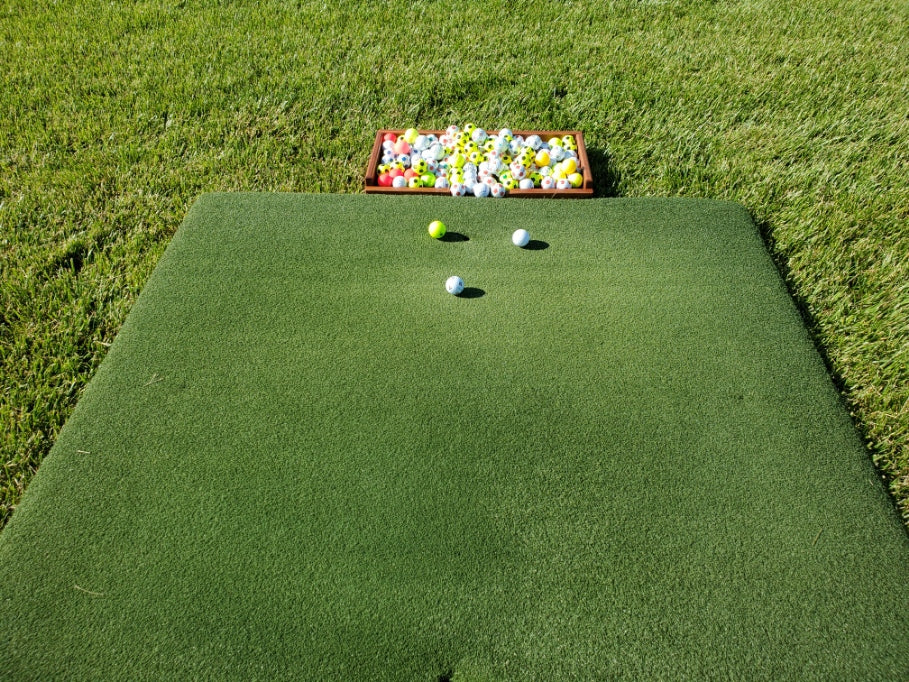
x=615, y=455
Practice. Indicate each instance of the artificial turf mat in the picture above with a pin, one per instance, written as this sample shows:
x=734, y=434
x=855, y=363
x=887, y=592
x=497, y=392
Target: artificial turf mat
x=618, y=456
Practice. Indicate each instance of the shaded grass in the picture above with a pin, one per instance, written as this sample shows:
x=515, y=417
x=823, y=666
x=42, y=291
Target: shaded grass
x=114, y=118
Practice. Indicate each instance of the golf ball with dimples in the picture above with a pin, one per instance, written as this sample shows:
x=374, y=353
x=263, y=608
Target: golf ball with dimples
x=547, y=182
x=562, y=183
x=498, y=190
x=520, y=238
x=441, y=182
x=399, y=182
x=457, y=189
x=526, y=183
x=480, y=190
x=454, y=285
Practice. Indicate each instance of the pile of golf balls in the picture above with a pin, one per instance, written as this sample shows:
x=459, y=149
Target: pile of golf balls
x=468, y=160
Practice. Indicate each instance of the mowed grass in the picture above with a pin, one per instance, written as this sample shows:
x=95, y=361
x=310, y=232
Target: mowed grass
x=114, y=117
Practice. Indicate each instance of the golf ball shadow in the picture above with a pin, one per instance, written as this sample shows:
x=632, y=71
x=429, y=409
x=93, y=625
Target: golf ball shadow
x=536, y=245
x=472, y=292
x=454, y=237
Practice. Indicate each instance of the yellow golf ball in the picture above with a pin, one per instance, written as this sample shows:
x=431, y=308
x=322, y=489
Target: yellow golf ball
x=437, y=229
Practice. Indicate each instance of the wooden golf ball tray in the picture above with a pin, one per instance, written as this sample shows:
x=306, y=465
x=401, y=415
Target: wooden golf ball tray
x=584, y=191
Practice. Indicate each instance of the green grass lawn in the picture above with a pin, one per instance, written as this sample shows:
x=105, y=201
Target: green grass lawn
x=114, y=117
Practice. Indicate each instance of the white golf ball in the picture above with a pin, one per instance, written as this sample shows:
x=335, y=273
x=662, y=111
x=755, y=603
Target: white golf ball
x=498, y=190
x=480, y=190
x=457, y=189
x=454, y=285
x=525, y=183
x=520, y=238
x=534, y=142
x=399, y=182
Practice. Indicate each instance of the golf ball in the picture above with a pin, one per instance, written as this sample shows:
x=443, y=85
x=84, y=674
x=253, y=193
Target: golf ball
x=481, y=189
x=520, y=238
x=436, y=229
x=399, y=182
x=454, y=285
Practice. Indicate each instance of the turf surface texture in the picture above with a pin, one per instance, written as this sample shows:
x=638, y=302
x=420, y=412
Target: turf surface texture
x=617, y=455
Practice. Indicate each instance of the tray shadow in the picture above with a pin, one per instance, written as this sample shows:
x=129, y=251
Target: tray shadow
x=606, y=177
